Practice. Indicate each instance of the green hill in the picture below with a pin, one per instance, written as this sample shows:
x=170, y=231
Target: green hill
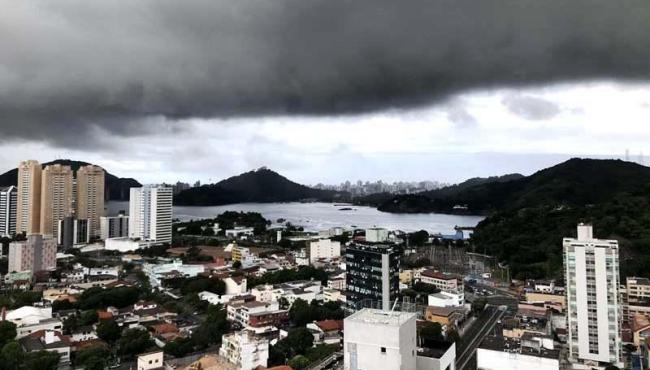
x=259, y=186
x=116, y=188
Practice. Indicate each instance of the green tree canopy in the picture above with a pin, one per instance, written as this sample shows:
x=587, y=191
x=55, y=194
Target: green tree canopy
x=109, y=331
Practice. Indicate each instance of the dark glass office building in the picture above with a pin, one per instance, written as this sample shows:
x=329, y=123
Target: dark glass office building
x=372, y=272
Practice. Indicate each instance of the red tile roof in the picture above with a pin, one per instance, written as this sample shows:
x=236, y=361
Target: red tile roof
x=330, y=325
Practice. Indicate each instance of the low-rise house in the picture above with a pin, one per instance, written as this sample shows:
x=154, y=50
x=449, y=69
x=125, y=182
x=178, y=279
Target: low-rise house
x=48, y=340
x=30, y=319
x=235, y=285
x=447, y=317
x=164, y=333
x=151, y=360
x=291, y=291
x=159, y=272
x=257, y=316
x=83, y=334
x=333, y=295
x=446, y=299
x=327, y=331
x=245, y=350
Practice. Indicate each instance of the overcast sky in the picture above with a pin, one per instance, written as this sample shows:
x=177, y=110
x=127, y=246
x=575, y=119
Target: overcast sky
x=323, y=91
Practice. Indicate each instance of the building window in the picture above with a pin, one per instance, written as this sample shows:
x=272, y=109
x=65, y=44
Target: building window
x=383, y=349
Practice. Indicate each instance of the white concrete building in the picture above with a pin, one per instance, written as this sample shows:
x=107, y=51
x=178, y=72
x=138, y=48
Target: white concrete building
x=592, y=282
x=150, y=214
x=157, y=273
x=239, y=231
x=245, y=350
x=378, y=340
x=8, y=209
x=499, y=353
x=123, y=244
x=324, y=248
x=445, y=299
x=30, y=319
x=151, y=360
x=376, y=235
x=437, y=359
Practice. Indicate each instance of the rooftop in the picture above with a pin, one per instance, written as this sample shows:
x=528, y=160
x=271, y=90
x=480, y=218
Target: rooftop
x=380, y=317
x=438, y=275
x=494, y=343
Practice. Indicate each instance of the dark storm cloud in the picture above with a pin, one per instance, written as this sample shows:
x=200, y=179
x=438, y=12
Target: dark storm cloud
x=68, y=67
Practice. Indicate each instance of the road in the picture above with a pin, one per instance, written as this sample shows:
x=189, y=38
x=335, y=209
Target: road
x=475, y=335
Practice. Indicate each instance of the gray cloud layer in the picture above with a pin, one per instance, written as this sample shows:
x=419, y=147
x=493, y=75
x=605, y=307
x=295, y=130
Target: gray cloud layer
x=68, y=67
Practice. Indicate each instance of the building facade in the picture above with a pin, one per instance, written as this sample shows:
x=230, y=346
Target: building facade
x=592, y=281
x=245, y=350
x=150, y=216
x=324, y=248
x=372, y=275
x=37, y=253
x=28, y=212
x=56, y=197
x=114, y=227
x=8, y=209
x=73, y=231
x=90, y=196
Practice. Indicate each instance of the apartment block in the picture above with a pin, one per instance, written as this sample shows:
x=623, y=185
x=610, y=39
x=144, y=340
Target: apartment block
x=37, y=253
x=56, y=197
x=28, y=212
x=90, y=196
x=372, y=275
x=8, y=209
x=150, y=216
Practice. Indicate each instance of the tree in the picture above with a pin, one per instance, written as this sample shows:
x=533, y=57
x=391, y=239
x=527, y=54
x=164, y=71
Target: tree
x=236, y=265
x=479, y=305
x=42, y=360
x=179, y=347
x=134, y=342
x=612, y=367
x=418, y=238
x=109, y=331
x=213, y=328
x=93, y=358
x=300, y=313
x=299, y=340
x=11, y=356
x=299, y=362
x=431, y=331
x=7, y=332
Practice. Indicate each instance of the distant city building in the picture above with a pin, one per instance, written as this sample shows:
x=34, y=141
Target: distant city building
x=324, y=248
x=372, y=275
x=56, y=197
x=8, y=209
x=245, y=350
x=90, y=196
x=376, y=235
x=73, y=231
x=37, y=253
x=181, y=186
x=114, y=226
x=150, y=214
x=366, y=188
x=592, y=281
x=28, y=213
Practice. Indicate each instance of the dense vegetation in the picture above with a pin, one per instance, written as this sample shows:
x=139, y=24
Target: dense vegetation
x=283, y=276
x=226, y=220
x=117, y=188
x=260, y=186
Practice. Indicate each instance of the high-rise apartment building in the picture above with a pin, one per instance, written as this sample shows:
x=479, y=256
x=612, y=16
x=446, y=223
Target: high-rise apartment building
x=372, y=275
x=592, y=281
x=73, y=231
x=37, y=253
x=8, y=209
x=114, y=226
x=28, y=212
x=150, y=214
x=90, y=196
x=56, y=197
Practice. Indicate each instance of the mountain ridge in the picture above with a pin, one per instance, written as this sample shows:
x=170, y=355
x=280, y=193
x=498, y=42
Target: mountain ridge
x=257, y=186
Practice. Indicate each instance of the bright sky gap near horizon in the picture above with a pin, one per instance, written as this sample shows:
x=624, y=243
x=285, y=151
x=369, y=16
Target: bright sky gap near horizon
x=477, y=133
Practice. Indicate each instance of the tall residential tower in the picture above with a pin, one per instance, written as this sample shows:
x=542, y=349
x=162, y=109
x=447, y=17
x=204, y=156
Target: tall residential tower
x=372, y=275
x=150, y=214
x=90, y=196
x=8, y=208
x=56, y=198
x=592, y=281
x=28, y=212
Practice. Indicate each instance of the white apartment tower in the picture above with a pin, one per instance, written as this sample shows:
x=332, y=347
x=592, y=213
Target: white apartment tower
x=8, y=208
x=592, y=281
x=377, y=340
x=150, y=214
